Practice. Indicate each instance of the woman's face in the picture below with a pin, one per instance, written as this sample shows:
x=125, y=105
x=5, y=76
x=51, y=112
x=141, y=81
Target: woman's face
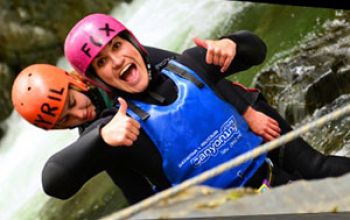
x=121, y=65
x=77, y=110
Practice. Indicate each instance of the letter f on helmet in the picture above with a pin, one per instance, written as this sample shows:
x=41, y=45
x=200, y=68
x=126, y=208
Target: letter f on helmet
x=39, y=93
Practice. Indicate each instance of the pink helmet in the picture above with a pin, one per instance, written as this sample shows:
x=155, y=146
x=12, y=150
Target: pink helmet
x=89, y=36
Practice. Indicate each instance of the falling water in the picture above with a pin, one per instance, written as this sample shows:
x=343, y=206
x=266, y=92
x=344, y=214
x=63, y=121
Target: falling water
x=23, y=152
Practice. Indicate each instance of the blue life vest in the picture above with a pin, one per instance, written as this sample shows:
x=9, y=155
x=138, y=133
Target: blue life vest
x=198, y=131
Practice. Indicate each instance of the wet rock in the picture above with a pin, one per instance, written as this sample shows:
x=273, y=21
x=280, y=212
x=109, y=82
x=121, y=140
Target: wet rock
x=314, y=80
x=312, y=76
x=334, y=137
x=6, y=79
x=35, y=31
x=299, y=197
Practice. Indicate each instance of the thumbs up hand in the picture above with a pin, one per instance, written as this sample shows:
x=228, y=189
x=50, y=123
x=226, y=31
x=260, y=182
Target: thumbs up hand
x=219, y=52
x=122, y=130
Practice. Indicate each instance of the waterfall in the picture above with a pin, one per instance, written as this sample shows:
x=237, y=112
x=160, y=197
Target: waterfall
x=23, y=152
x=171, y=25
x=24, y=149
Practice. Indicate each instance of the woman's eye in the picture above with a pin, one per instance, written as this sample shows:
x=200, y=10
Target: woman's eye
x=101, y=62
x=116, y=45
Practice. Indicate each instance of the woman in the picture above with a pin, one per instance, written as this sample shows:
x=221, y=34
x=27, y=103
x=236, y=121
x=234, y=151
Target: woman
x=101, y=48
x=57, y=180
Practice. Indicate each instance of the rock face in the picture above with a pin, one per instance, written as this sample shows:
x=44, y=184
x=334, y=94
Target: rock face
x=312, y=81
x=312, y=76
x=34, y=32
x=299, y=197
x=6, y=80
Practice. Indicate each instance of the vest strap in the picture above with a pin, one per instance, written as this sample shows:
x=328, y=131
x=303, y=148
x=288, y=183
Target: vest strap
x=157, y=97
x=184, y=74
x=138, y=111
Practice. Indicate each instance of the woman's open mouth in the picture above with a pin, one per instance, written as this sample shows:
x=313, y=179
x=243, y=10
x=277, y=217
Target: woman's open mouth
x=130, y=74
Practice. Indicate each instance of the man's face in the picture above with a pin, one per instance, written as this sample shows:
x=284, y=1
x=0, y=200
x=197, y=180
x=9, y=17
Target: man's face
x=121, y=65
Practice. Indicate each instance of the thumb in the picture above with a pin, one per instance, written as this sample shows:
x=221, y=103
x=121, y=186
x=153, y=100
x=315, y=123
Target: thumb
x=200, y=43
x=123, y=106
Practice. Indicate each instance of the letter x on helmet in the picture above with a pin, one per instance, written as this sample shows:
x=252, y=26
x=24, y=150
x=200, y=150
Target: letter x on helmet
x=88, y=37
x=40, y=91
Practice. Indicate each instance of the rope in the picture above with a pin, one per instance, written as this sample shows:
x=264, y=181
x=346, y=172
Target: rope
x=132, y=210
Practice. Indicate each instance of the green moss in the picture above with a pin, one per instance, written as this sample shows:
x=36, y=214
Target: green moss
x=281, y=28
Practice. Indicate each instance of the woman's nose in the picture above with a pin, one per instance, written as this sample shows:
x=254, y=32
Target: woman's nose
x=78, y=113
x=117, y=60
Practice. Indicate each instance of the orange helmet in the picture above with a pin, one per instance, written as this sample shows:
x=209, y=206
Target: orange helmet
x=40, y=91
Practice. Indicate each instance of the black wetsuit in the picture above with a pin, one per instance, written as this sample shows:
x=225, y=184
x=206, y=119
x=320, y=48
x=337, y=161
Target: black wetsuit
x=66, y=171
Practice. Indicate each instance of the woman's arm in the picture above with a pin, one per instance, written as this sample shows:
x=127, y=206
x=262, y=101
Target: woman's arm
x=69, y=169
x=250, y=51
x=134, y=186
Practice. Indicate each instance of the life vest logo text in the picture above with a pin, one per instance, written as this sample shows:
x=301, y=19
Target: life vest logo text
x=228, y=133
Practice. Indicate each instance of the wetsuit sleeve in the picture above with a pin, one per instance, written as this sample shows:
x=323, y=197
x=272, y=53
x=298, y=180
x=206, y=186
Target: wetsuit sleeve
x=134, y=186
x=251, y=50
x=234, y=95
x=158, y=55
x=68, y=170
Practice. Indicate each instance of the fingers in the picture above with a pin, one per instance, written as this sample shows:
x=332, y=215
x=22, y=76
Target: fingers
x=219, y=56
x=209, y=57
x=226, y=63
x=129, y=139
x=267, y=137
x=200, y=43
x=125, y=136
x=274, y=126
x=122, y=130
x=272, y=131
x=132, y=122
x=122, y=111
x=215, y=56
x=219, y=52
x=123, y=106
x=133, y=127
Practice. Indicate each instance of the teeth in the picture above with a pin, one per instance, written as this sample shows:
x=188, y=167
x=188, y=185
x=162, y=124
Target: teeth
x=125, y=69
